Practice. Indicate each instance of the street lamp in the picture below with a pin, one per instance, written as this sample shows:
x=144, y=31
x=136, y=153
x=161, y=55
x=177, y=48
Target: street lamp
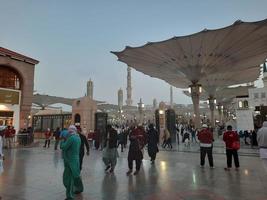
x=212, y=101
x=195, y=90
x=28, y=120
x=141, y=106
x=161, y=112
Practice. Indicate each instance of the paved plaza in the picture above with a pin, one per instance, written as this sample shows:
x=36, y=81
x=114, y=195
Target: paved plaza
x=36, y=174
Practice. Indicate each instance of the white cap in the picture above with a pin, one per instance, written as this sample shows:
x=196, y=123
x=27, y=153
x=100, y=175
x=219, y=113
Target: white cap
x=204, y=126
x=72, y=129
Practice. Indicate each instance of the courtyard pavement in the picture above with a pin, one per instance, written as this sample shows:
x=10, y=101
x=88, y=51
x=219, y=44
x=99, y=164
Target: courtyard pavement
x=36, y=174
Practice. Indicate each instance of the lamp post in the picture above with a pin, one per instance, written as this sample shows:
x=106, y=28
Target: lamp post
x=220, y=111
x=212, y=102
x=120, y=115
x=195, y=91
x=162, y=120
x=28, y=120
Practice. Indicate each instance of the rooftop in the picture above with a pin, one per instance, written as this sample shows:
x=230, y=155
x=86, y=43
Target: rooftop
x=17, y=56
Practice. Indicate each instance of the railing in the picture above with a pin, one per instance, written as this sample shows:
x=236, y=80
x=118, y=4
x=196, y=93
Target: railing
x=23, y=139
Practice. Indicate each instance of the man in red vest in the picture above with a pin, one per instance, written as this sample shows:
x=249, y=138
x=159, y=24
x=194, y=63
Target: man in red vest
x=48, y=135
x=230, y=137
x=205, y=137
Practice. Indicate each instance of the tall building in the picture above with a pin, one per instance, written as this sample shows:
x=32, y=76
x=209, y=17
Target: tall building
x=155, y=104
x=120, y=98
x=90, y=88
x=129, y=100
x=252, y=105
x=264, y=79
x=171, y=97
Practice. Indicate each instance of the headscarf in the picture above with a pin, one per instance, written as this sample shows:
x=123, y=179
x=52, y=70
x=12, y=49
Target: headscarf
x=72, y=129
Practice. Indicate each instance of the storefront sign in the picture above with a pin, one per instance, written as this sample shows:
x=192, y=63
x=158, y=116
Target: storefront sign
x=9, y=96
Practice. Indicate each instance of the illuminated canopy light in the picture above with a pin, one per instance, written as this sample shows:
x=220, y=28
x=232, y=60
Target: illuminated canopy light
x=161, y=112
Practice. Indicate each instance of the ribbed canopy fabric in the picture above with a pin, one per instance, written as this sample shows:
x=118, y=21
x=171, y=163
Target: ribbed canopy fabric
x=211, y=84
x=225, y=94
x=181, y=61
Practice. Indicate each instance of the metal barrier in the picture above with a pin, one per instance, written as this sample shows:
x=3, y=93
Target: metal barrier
x=24, y=139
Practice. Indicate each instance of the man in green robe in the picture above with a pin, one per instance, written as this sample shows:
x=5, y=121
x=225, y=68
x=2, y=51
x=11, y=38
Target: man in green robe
x=71, y=176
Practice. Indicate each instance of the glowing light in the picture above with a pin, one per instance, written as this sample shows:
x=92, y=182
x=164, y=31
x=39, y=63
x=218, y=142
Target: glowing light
x=163, y=165
x=3, y=107
x=194, y=178
x=240, y=104
x=246, y=172
x=161, y=112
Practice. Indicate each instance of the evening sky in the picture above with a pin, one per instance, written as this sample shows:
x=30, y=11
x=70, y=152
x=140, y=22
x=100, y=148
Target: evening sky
x=73, y=39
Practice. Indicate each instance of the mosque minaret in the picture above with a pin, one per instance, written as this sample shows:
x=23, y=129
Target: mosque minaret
x=129, y=100
x=120, y=98
x=90, y=88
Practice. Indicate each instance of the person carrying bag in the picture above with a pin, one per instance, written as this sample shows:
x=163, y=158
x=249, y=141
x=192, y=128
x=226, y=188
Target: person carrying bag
x=232, y=144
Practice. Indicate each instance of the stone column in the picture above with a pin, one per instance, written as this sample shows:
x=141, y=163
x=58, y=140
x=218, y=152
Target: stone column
x=195, y=93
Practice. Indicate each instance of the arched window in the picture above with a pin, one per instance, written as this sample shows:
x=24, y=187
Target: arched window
x=77, y=119
x=245, y=103
x=9, y=78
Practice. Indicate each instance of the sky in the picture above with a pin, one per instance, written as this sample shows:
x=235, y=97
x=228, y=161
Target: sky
x=73, y=39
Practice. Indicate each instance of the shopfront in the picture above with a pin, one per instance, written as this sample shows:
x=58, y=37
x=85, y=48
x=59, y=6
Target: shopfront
x=9, y=107
x=16, y=88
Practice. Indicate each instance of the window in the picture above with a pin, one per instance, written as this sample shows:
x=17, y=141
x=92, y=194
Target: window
x=245, y=104
x=77, y=119
x=9, y=78
x=256, y=95
x=240, y=104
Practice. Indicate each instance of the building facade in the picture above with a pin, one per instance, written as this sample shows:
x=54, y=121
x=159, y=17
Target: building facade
x=83, y=113
x=16, y=88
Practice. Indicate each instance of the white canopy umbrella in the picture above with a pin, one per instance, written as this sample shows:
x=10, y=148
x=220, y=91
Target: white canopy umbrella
x=223, y=95
x=185, y=61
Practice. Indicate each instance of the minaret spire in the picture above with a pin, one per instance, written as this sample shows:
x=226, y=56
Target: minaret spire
x=171, y=97
x=120, y=98
x=129, y=100
x=264, y=79
x=90, y=88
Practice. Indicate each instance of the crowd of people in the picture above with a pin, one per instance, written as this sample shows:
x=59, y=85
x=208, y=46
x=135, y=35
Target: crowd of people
x=140, y=137
x=74, y=145
x=8, y=133
x=249, y=137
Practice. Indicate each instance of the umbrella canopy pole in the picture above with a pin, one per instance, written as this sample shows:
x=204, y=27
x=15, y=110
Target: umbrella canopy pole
x=220, y=110
x=211, y=101
x=195, y=90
